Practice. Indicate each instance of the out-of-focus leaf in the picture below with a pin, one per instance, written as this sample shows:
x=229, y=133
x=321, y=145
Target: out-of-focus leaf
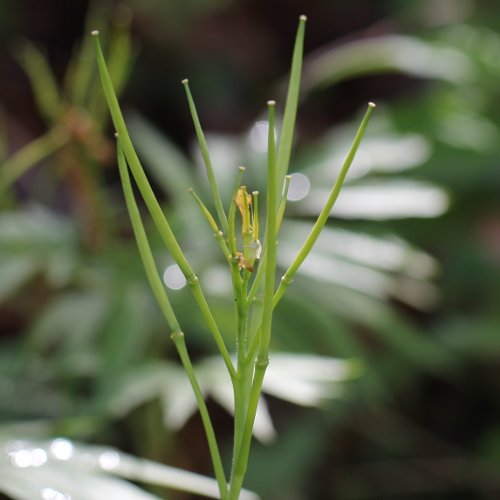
x=389, y=253
x=42, y=80
x=15, y=272
x=380, y=152
x=390, y=53
x=313, y=380
x=60, y=482
x=381, y=267
x=58, y=329
x=145, y=383
x=33, y=241
x=380, y=201
x=468, y=130
x=63, y=470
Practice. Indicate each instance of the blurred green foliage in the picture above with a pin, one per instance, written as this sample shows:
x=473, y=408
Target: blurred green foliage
x=406, y=278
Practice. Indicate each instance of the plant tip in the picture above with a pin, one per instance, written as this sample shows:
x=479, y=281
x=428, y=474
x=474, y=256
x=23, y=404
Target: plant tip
x=303, y=18
x=241, y=169
x=372, y=105
x=190, y=190
x=185, y=81
x=95, y=33
x=116, y=135
x=271, y=103
x=255, y=193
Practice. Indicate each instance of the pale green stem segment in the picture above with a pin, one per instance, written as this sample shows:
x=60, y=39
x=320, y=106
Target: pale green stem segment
x=271, y=240
x=232, y=213
x=292, y=100
x=213, y=225
x=325, y=213
x=242, y=451
x=154, y=207
x=247, y=237
x=255, y=218
x=221, y=215
x=284, y=197
x=28, y=156
x=279, y=219
x=176, y=333
x=235, y=274
x=233, y=266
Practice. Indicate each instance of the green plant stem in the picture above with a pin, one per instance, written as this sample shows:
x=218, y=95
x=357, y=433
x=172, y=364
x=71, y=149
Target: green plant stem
x=325, y=212
x=292, y=100
x=240, y=460
x=279, y=219
x=232, y=213
x=271, y=241
x=206, y=159
x=28, y=156
x=213, y=225
x=176, y=334
x=154, y=207
x=233, y=266
x=316, y=230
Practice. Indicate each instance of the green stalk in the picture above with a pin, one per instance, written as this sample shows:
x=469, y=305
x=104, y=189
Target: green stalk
x=232, y=213
x=28, y=156
x=315, y=232
x=154, y=207
x=206, y=159
x=213, y=225
x=271, y=241
x=325, y=213
x=235, y=274
x=279, y=219
x=176, y=334
x=241, y=459
x=284, y=197
x=292, y=100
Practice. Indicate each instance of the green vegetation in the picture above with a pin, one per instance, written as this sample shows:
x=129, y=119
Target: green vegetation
x=383, y=353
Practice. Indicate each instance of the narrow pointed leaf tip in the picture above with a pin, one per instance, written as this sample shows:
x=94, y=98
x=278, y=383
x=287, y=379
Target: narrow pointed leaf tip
x=185, y=81
x=95, y=33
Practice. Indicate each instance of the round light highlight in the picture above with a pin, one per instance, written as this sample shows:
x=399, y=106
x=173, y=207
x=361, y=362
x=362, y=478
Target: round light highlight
x=300, y=186
x=173, y=277
x=62, y=448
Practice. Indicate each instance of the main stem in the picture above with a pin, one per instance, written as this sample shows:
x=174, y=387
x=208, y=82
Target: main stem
x=248, y=390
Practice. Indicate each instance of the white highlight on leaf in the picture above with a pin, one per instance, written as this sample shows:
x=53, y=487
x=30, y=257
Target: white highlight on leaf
x=51, y=494
x=61, y=448
x=109, y=460
x=380, y=201
x=24, y=458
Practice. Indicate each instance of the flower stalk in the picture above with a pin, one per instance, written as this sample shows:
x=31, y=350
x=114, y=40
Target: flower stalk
x=252, y=266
